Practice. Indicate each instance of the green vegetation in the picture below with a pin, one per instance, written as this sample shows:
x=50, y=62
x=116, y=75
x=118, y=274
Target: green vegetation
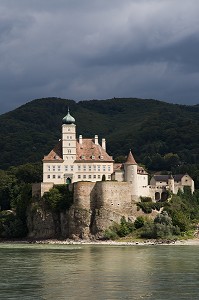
x=178, y=218
x=59, y=198
x=15, y=196
x=163, y=136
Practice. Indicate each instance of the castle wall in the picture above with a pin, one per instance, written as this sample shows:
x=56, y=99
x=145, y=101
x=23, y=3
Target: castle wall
x=83, y=193
x=38, y=189
x=109, y=194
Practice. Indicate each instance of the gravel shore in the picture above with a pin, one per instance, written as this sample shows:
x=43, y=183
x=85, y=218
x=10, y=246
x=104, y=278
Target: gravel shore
x=99, y=242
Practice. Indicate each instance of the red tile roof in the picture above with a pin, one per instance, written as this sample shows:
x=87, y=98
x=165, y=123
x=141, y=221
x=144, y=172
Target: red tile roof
x=55, y=153
x=117, y=167
x=87, y=151
x=130, y=159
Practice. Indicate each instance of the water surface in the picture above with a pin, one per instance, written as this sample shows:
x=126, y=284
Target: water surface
x=30, y=271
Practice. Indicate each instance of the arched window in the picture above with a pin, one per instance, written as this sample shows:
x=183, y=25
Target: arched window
x=157, y=196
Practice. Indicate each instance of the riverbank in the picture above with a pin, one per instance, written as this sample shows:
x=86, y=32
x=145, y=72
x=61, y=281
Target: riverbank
x=194, y=241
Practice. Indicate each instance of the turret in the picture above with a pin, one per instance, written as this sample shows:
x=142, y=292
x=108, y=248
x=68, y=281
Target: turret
x=130, y=173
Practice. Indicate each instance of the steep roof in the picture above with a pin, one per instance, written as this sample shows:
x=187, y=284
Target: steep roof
x=130, y=159
x=55, y=153
x=88, y=150
x=117, y=167
x=177, y=177
x=142, y=171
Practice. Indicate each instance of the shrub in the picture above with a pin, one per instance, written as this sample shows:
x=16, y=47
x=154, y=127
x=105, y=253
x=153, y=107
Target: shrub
x=146, y=199
x=110, y=234
x=119, y=230
x=139, y=222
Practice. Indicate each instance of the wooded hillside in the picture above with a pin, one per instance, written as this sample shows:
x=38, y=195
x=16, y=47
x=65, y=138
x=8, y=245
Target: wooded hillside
x=162, y=136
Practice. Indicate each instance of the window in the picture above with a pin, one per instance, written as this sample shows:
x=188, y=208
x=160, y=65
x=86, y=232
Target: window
x=59, y=168
x=71, y=137
x=84, y=176
x=89, y=176
x=59, y=176
x=94, y=168
x=83, y=157
x=79, y=168
x=67, y=137
x=93, y=156
x=79, y=176
x=69, y=151
x=109, y=176
x=54, y=176
x=66, y=168
x=68, y=129
x=94, y=176
x=98, y=176
x=71, y=167
x=98, y=168
x=104, y=168
x=48, y=176
x=48, y=168
x=89, y=168
x=109, y=168
x=53, y=168
x=84, y=167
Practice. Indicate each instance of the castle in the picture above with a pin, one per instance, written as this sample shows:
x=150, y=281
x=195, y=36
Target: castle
x=78, y=160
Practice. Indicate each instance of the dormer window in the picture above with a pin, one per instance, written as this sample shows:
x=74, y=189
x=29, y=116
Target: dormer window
x=83, y=157
x=101, y=157
x=93, y=156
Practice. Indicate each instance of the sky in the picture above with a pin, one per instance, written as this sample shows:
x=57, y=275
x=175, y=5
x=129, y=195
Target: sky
x=99, y=49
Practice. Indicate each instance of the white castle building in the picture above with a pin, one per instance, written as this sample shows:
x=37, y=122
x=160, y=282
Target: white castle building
x=74, y=160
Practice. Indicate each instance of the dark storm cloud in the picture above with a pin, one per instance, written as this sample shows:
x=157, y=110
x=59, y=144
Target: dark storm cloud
x=98, y=49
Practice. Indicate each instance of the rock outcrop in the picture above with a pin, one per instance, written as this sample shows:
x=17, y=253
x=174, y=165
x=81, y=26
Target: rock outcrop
x=95, y=207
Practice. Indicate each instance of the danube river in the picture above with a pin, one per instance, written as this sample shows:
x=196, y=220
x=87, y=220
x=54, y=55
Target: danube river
x=32, y=271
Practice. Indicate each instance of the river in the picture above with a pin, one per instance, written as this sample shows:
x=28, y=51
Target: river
x=33, y=271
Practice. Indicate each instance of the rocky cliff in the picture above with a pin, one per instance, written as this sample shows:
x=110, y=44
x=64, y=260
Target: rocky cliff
x=95, y=207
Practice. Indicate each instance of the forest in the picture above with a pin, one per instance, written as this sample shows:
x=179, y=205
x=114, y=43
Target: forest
x=163, y=137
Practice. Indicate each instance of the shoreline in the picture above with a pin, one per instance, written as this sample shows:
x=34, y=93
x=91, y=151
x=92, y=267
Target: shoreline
x=192, y=242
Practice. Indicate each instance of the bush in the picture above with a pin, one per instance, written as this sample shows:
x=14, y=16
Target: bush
x=110, y=234
x=119, y=230
x=146, y=199
x=147, y=207
x=162, y=227
x=59, y=198
x=139, y=222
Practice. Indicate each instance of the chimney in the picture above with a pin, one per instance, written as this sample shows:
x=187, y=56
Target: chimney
x=80, y=139
x=104, y=144
x=96, y=139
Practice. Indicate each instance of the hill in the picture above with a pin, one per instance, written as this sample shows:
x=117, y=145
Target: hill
x=153, y=129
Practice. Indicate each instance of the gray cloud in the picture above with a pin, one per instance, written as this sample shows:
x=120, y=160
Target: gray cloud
x=98, y=49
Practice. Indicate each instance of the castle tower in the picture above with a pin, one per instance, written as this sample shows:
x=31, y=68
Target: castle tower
x=130, y=173
x=68, y=138
x=171, y=183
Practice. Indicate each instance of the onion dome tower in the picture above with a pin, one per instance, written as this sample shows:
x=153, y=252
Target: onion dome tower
x=68, y=119
x=68, y=138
